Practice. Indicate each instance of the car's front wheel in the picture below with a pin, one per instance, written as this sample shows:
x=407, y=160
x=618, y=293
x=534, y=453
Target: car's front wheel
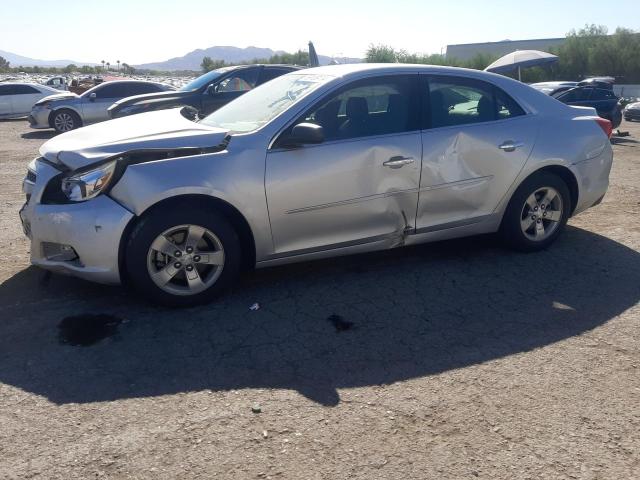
x=537, y=213
x=65, y=121
x=184, y=256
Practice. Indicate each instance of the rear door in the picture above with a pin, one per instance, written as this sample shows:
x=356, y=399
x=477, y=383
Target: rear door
x=25, y=96
x=603, y=101
x=476, y=139
x=6, y=105
x=229, y=88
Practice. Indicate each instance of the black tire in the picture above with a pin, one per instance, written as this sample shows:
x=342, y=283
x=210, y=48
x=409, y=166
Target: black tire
x=71, y=118
x=161, y=220
x=510, y=230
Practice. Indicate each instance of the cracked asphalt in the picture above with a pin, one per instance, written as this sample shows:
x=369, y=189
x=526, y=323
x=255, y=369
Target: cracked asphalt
x=445, y=361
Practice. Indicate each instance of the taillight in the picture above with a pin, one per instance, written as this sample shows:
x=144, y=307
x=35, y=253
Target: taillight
x=605, y=125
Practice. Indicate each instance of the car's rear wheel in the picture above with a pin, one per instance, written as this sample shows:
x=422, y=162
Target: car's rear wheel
x=537, y=213
x=65, y=121
x=184, y=256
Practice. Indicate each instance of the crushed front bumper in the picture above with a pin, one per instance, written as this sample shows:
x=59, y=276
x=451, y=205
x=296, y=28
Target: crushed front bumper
x=39, y=117
x=91, y=229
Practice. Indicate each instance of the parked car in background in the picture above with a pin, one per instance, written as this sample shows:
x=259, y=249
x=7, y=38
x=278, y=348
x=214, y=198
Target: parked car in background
x=317, y=163
x=632, y=111
x=551, y=88
x=603, y=100
x=17, y=99
x=69, y=111
x=206, y=93
x=598, y=82
x=59, y=83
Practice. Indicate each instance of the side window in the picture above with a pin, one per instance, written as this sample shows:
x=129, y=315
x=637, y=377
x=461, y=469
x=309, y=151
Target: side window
x=24, y=90
x=5, y=90
x=269, y=73
x=378, y=106
x=240, y=81
x=140, y=89
x=109, y=91
x=601, y=94
x=460, y=101
x=506, y=106
x=574, y=95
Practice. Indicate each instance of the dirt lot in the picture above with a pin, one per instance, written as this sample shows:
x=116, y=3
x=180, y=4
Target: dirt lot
x=446, y=361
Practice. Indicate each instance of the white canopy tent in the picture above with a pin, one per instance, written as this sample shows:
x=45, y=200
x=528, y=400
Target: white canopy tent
x=521, y=59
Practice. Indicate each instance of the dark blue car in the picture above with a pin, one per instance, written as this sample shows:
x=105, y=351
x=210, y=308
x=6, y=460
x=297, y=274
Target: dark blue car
x=595, y=95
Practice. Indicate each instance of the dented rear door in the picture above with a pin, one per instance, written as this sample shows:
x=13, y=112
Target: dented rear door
x=467, y=168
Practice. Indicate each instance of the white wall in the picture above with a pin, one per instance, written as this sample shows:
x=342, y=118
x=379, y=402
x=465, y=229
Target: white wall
x=627, y=90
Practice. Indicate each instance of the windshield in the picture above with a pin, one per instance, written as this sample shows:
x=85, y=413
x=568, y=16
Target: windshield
x=203, y=80
x=261, y=105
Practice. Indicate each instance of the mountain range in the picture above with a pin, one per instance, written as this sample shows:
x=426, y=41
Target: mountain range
x=16, y=60
x=192, y=60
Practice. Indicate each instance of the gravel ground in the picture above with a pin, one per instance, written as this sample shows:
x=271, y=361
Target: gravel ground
x=445, y=361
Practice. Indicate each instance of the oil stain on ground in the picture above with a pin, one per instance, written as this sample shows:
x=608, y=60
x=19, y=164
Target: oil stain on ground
x=85, y=330
x=339, y=323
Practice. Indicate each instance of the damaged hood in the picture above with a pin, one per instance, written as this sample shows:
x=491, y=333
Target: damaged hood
x=164, y=129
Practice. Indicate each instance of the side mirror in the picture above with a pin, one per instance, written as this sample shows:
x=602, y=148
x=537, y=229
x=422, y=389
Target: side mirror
x=212, y=89
x=92, y=97
x=303, y=134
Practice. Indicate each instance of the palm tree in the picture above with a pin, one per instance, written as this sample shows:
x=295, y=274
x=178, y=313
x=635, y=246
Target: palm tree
x=108, y=66
x=103, y=65
x=118, y=62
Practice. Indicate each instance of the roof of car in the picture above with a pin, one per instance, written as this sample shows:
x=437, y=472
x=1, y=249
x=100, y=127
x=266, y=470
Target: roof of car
x=351, y=68
x=31, y=84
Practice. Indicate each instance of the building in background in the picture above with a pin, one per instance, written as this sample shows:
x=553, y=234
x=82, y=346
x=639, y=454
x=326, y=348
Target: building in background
x=466, y=51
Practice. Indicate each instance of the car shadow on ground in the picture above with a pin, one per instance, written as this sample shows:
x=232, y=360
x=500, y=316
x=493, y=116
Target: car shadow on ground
x=40, y=134
x=354, y=321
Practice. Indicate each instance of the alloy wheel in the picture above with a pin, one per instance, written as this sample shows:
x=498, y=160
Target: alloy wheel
x=541, y=214
x=185, y=260
x=63, y=122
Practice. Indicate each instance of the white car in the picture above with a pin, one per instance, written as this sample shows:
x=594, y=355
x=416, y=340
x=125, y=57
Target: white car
x=17, y=99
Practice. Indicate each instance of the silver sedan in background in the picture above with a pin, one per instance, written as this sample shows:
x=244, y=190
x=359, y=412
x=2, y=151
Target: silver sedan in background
x=68, y=111
x=316, y=163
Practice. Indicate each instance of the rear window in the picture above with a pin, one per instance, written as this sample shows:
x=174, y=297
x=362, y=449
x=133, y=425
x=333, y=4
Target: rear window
x=461, y=101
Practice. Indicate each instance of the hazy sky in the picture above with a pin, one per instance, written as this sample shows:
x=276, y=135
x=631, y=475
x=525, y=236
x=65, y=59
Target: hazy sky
x=139, y=31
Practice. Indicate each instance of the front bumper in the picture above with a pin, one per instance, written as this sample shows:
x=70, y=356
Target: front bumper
x=39, y=117
x=92, y=228
x=632, y=114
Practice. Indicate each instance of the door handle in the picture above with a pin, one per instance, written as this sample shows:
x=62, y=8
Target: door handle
x=510, y=146
x=398, y=162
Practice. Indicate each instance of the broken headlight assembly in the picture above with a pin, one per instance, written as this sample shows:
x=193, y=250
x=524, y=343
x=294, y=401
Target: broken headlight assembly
x=81, y=186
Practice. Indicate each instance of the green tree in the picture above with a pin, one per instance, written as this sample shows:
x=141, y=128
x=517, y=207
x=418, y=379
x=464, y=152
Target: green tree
x=4, y=64
x=381, y=54
x=209, y=64
x=70, y=68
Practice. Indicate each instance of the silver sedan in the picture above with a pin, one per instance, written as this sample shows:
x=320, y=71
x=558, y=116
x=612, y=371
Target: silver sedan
x=317, y=163
x=68, y=111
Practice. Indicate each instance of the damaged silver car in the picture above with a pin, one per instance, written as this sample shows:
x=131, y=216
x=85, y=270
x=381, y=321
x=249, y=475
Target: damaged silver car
x=316, y=163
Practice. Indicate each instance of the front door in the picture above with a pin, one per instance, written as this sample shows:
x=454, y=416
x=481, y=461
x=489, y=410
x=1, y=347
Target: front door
x=95, y=109
x=361, y=184
x=476, y=141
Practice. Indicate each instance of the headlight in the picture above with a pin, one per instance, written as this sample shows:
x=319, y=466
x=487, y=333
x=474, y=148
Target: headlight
x=89, y=184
